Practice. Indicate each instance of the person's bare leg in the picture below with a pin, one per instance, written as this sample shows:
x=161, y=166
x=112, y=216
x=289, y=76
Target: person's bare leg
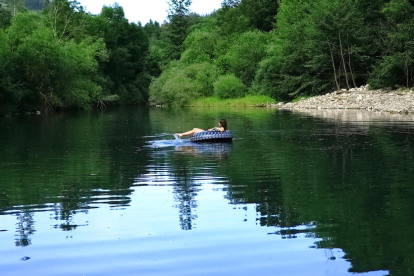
x=191, y=132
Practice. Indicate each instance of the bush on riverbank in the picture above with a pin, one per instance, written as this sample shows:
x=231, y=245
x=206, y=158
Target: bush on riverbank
x=179, y=85
x=249, y=100
x=228, y=87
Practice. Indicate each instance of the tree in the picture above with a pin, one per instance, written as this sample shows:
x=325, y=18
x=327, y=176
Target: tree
x=396, y=67
x=44, y=69
x=15, y=6
x=261, y=13
x=159, y=48
x=245, y=54
x=67, y=19
x=178, y=14
x=320, y=46
x=283, y=70
x=179, y=8
x=338, y=35
x=10, y=92
x=230, y=3
x=5, y=18
x=66, y=58
x=230, y=20
x=58, y=73
x=125, y=72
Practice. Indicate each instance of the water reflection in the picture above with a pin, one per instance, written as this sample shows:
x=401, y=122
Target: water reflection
x=185, y=190
x=25, y=229
x=361, y=121
x=290, y=184
x=294, y=232
x=219, y=150
x=64, y=166
x=185, y=146
x=172, y=165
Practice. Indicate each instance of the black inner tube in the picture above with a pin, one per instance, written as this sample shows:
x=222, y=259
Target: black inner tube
x=212, y=136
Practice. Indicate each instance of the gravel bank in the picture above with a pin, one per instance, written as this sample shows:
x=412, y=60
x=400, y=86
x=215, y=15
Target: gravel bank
x=361, y=98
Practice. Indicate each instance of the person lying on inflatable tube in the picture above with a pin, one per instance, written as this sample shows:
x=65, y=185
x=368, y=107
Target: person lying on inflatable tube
x=222, y=127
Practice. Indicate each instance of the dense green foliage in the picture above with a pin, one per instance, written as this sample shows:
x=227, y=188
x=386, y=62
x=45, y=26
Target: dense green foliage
x=291, y=48
x=220, y=44
x=64, y=57
x=179, y=24
x=5, y=18
x=127, y=46
x=229, y=86
x=318, y=47
x=396, y=67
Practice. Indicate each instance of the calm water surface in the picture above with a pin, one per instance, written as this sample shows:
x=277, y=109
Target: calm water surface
x=112, y=193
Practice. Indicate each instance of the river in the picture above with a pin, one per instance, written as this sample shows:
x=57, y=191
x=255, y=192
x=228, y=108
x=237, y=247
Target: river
x=296, y=193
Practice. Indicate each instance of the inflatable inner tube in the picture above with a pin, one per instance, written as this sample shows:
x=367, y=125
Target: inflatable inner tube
x=212, y=136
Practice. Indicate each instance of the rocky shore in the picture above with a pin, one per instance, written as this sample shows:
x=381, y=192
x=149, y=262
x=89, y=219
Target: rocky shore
x=362, y=98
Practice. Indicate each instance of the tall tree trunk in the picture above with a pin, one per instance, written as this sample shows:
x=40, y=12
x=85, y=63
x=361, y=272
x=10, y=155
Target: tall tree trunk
x=343, y=61
x=350, y=67
x=333, y=66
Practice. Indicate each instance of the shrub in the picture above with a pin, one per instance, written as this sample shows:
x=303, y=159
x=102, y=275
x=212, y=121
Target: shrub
x=229, y=86
x=203, y=76
x=179, y=85
x=180, y=90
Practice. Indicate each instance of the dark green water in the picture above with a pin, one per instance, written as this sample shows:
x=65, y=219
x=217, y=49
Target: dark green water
x=112, y=193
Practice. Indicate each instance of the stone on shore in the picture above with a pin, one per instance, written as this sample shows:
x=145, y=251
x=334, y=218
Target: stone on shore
x=359, y=98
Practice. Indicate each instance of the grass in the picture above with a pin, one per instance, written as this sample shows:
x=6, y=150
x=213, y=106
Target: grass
x=250, y=100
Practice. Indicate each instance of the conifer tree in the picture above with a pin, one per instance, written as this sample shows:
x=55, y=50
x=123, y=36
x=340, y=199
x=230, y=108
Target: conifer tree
x=178, y=14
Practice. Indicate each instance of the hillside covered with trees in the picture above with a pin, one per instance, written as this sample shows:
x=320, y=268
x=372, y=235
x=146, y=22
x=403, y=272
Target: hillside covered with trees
x=290, y=48
x=64, y=57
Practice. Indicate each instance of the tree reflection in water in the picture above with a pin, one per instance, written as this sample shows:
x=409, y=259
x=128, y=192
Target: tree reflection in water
x=343, y=179
x=25, y=228
x=191, y=168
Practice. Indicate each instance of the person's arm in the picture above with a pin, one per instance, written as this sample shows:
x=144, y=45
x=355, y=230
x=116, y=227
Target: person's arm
x=221, y=129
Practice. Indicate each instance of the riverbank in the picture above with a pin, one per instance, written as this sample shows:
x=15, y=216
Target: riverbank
x=250, y=100
x=362, y=98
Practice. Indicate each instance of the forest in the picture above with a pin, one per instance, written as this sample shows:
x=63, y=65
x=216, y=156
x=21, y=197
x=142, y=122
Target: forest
x=64, y=57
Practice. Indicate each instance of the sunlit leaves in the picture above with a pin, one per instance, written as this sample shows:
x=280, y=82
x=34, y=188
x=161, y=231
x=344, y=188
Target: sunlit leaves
x=179, y=85
x=229, y=86
x=245, y=53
